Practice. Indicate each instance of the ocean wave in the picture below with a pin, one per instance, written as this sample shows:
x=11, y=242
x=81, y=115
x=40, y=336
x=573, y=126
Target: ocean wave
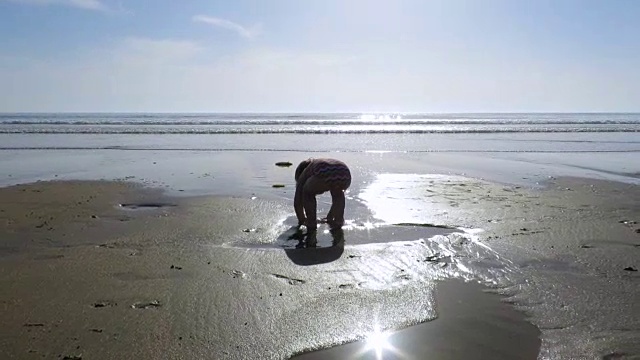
x=141, y=121
x=276, y=119
x=209, y=130
x=239, y=149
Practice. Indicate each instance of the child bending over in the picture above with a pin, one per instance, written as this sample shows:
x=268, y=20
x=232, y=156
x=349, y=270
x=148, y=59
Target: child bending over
x=317, y=176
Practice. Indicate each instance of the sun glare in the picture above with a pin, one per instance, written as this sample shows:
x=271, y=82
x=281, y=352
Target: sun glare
x=378, y=341
x=368, y=225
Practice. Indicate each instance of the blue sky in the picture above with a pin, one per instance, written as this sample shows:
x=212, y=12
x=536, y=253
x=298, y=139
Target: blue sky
x=319, y=55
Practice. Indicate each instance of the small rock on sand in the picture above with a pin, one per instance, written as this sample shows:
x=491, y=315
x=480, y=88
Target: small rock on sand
x=283, y=164
x=630, y=268
x=277, y=185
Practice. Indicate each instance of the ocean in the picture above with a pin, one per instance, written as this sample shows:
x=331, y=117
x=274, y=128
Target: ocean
x=511, y=148
x=77, y=123
x=349, y=132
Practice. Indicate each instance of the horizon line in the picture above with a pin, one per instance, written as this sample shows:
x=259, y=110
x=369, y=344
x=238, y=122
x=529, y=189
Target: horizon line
x=327, y=112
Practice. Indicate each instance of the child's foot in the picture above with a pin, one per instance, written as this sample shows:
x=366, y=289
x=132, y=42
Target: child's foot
x=335, y=224
x=312, y=240
x=312, y=225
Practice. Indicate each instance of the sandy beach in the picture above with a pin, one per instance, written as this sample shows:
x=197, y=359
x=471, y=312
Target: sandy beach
x=110, y=270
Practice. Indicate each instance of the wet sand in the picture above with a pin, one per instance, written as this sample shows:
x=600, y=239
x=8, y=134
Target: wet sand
x=83, y=277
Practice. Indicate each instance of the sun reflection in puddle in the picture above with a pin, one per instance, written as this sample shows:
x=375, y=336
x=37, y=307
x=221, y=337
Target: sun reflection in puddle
x=405, y=198
x=378, y=342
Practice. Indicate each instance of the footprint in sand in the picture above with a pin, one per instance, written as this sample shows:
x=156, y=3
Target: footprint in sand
x=238, y=274
x=351, y=286
x=288, y=280
x=145, y=206
x=48, y=257
x=606, y=244
x=628, y=222
x=104, y=304
x=146, y=305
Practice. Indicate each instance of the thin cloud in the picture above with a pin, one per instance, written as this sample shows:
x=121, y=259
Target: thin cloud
x=245, y=32
x=95, y=5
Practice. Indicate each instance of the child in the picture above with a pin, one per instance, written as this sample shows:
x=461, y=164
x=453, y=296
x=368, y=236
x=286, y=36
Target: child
x=317, y=176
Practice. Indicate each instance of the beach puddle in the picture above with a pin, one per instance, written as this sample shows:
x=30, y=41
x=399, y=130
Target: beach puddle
x=287, y=235
x=473, y=324
x=410, y=198
x=392, y=219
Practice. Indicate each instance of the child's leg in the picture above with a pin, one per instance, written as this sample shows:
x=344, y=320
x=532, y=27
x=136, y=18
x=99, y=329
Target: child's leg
x=337, y=208
x=312, y=187
x=310, y=206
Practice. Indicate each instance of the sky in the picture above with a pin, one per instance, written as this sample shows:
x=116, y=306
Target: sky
x=319, y=56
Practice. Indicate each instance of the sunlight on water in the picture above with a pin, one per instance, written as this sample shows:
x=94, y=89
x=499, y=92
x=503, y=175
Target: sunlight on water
x=366, y=225
x=401, y=198
x=379, y=117
x=378, y=342
x=457, y=252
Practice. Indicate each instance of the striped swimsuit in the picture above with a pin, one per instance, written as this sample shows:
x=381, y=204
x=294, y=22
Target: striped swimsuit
x=335, y=173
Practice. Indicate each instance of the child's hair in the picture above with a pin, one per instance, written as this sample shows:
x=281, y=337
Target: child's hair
x=303, y=165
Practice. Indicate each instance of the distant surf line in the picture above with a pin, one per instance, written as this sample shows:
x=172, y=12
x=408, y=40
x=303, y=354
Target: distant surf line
x=271, y=122
x=127, y=148
x=138, y=131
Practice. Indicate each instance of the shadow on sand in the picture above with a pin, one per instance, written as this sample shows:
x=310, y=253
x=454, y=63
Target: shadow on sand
x=309, y=250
